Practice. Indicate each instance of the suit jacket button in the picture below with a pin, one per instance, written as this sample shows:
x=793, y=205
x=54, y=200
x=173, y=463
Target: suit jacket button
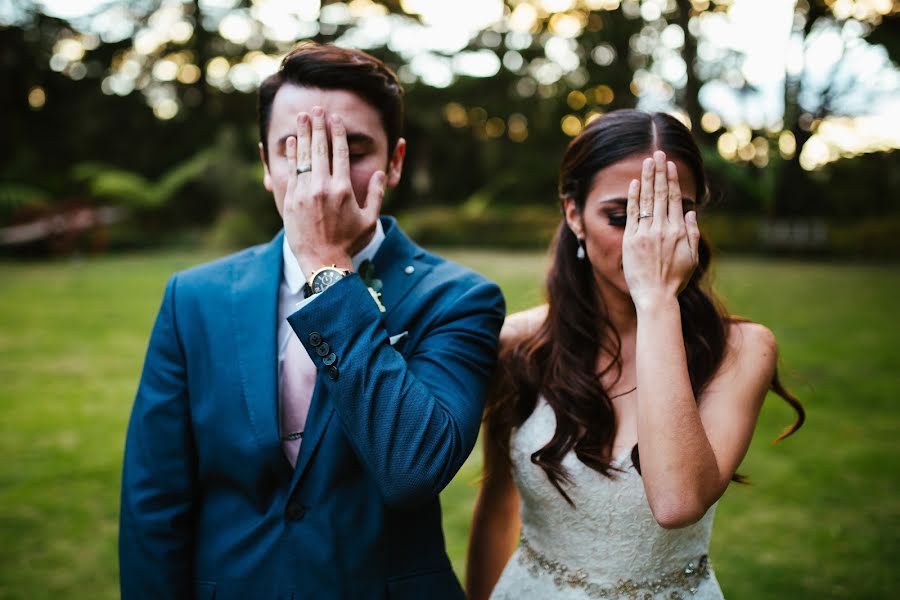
x=295, y=511
x=323, y=349
x=315, y=338
x=330, y=359
x=333, y=372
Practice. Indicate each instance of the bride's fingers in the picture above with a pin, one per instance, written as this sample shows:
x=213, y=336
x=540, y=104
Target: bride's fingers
x=660, y=189
x=676, y=214
x=631, y=208
x=646, y=197
x=693, y=231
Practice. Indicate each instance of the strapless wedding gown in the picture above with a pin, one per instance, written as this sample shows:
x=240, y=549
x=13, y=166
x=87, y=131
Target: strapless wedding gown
x=608, y=545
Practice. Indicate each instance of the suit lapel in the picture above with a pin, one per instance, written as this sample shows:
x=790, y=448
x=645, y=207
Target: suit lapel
x=256, y=278
x=397, y=264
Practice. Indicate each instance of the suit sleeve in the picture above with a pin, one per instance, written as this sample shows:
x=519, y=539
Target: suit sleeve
x=412, y=422
x=159, y=471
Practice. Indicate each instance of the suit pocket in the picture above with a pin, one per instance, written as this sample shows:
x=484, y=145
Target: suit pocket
x=204, y=590
x=434, y=585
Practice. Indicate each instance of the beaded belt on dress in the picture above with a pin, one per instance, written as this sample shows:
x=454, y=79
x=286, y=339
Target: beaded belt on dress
x=684, y=580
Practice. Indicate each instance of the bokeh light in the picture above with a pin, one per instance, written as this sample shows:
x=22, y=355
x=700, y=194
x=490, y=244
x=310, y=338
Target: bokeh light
x=576, y=100
x=571, y=125
x=165, y=109
x=727, y=145
x=517, y=127
x=524, y=18
x=710, y=122
x=539, y=41
x=37, y=97
x=495, y=127
x=787, y=144
x=456, y=115
x=467, y=15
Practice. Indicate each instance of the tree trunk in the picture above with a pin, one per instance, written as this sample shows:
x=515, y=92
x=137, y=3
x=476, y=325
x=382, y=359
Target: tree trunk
x=792, y=188
x=691, y=100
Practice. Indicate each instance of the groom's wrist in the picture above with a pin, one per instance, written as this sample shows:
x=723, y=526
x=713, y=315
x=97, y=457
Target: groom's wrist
x=311, y=262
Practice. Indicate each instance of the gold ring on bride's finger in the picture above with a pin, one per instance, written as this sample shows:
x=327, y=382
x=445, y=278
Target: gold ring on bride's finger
x=643, y=214
x=304, y=168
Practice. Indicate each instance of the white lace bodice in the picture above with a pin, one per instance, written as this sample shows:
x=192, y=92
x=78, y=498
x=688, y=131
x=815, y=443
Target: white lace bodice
x=608, y=545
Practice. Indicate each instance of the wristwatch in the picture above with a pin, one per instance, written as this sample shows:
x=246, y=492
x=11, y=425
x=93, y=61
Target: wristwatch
x=323, y=278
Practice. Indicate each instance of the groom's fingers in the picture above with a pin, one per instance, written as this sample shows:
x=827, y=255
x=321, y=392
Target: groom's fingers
x=303, y=156
x=374, y=197
x=340, y=162
x=290, y=150
x=320, y=170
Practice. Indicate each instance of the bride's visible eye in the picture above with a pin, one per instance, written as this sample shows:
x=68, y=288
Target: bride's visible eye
x=617, y=220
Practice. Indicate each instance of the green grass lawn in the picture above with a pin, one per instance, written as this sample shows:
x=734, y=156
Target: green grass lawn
x=820, y=520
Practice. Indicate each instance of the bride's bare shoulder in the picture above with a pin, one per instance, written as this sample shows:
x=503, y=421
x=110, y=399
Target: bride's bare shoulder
x=522, y=324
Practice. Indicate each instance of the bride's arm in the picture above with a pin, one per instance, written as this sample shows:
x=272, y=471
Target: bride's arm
x=495, y=524
x=688, y=452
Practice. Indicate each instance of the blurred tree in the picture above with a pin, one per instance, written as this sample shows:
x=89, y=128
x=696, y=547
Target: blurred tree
x=848, y=90
x=162, y=91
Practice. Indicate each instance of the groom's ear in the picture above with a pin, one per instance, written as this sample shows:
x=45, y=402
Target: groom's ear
x=395, y=164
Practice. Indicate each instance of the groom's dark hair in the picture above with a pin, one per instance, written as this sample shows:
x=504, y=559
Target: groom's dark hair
x=328, y=67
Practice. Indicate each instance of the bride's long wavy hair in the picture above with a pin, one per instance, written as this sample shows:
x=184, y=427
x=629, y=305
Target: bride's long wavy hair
x=558, y=360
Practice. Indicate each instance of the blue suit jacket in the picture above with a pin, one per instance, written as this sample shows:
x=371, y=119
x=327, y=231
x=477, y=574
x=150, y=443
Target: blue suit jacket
x=210, y=506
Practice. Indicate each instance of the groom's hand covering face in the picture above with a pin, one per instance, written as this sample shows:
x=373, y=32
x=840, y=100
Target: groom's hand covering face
x=328, y=167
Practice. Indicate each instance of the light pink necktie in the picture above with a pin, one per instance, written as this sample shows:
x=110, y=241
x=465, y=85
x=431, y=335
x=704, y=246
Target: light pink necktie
x=298, y=380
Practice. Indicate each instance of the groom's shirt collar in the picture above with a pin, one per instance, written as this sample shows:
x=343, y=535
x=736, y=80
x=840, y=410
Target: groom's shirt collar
x=294, y=276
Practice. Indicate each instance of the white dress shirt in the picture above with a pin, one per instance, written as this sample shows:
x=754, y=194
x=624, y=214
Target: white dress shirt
x=290, y=293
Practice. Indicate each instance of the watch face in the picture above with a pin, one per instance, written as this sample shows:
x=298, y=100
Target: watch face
x=325, y=279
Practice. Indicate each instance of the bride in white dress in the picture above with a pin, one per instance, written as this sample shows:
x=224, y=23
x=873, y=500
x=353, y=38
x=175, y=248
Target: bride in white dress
x=623, y=407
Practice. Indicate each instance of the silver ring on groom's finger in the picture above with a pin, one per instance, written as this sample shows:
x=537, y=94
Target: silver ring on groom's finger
x=304, y=168
x=644, y=214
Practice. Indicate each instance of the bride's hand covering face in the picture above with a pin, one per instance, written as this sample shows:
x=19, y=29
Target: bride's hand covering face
x=660, y=257
x=660, y=249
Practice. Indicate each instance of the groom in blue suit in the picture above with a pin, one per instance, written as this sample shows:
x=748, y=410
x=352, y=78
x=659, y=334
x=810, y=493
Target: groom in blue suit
x=304, y=402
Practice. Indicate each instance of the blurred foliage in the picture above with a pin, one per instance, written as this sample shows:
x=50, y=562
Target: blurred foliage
x=105, y=182
x=529, y=227
x=17, y=197
x=80, y=142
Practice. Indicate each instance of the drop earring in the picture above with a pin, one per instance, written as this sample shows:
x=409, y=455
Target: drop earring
x=580, y=254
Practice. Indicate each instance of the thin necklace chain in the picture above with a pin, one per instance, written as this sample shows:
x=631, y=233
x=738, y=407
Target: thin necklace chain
x=623, y=393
